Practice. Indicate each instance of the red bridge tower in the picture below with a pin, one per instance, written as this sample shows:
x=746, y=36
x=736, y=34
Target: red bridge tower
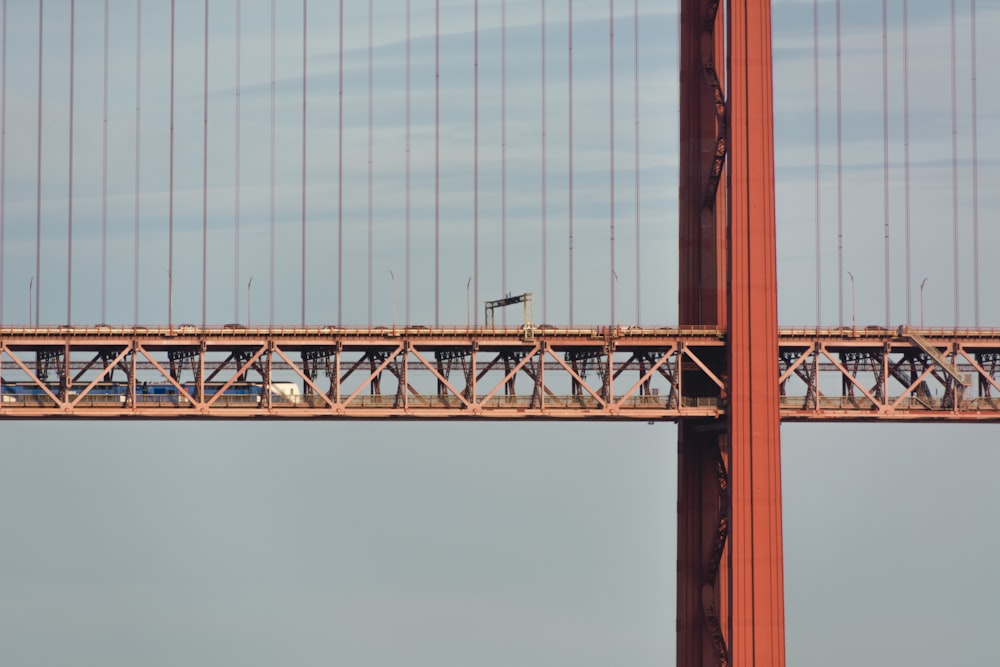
x=730, y=591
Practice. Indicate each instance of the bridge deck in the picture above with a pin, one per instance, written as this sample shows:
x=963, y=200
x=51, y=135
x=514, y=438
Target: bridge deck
x=542, y=372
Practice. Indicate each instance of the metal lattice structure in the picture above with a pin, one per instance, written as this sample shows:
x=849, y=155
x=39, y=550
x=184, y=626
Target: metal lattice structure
x=635, y=373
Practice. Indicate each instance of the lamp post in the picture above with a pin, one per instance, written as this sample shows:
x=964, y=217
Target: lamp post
x=393, y=276
x=922, y=282
x=468, y=312
x=614, y=306
x=854, y=322
x=249, y=282
x=31, y=296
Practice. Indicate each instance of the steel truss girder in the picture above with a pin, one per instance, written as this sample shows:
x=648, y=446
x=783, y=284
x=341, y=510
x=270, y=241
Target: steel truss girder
x=883, y=375
x=824, y=374
x=367, y=374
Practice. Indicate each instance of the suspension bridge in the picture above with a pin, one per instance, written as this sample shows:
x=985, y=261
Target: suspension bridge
x=166, y=164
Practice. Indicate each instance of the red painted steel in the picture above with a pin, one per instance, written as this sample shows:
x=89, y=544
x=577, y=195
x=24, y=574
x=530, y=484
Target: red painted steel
x=757, y=622
x=702, y=522
x=638, y=373
x=730, y=571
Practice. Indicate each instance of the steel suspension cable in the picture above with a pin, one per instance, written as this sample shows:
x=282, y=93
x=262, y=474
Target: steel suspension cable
x=138, y=156
x=545, y=208
x=204, y=183
x=638, y=272
x=570, y=150
x=371, y=100
x=975, y=165
x=170, y=216
x=104, y=177
x=3, y=147
x=340, y=169
x=408, y=150
x=236, y=188
x=69, y=196
x=475, y=161
x=885, y=154
x=611, y=154
x=906, y=159
x=38, y=168
x=503, y=150
x=437, y=167
x=271, y=206
x=816, y=167
x=305, y=118
x=840, y=176
x=954, y=164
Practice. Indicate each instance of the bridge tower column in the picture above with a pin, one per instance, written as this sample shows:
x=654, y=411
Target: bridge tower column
x=730, y=591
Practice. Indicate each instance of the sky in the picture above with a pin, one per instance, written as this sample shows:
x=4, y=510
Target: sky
x=462, y=543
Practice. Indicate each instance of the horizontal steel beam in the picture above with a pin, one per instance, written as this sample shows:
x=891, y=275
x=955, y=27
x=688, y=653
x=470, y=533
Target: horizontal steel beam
x=535, y=372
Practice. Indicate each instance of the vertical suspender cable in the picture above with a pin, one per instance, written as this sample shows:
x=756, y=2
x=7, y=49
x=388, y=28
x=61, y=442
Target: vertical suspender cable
x=204, y=185
x=906, y=158
x=545, y=208
x=371, y=99
x=138, y=155
x=3, y=145
x=975, y=168
x=437, y=166
x=816, y=165
x=503, y=150
x=407, y=112
x=69, y=197
x=38, y=170
x=305, y=118
x=340, y=170
x=954, y=165
x=840, y=179
x=273, y=235
x=475, y=161
x=885, y=153
x=611, y=152
x=170, y=215
x=236, y=187
x=104, y=179
x=570, y=125
x=638, y=272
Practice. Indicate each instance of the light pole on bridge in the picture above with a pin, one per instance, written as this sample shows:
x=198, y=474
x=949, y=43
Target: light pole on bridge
x=922, y=283
x=249, y=282
x=854, y=321
x=468, y=316
x=393, y=276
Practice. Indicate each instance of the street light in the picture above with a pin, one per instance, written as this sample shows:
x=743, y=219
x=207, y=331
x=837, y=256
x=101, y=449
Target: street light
x=249, y=282
x=467, y=311
x=31, y=296
x=614, y=306
x=922, y=302
x=393, y=276
x=854, y=323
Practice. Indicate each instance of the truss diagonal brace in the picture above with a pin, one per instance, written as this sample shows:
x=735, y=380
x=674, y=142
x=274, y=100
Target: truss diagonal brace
x=517, y=369
x=648, y=374
x=573, y=374
x=305, y=378
x=180, y=389
x=439, y=377
x=243, y=369
x=31, y=374
x=107, y=369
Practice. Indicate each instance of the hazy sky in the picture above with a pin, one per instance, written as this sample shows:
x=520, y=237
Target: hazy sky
x=486, y=544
